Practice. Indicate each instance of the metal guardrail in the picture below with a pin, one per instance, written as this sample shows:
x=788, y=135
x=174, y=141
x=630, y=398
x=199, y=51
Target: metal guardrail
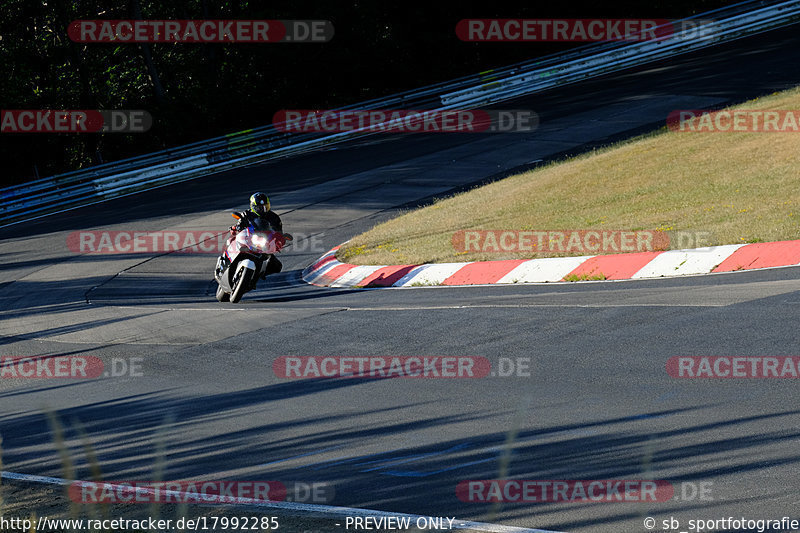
x=623, y=56
x=112, y=180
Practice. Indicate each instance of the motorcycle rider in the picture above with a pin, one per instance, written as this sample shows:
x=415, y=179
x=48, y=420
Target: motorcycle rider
x=262, y=218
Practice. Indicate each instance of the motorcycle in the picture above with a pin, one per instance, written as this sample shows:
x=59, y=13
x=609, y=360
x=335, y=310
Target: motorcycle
x=246, y=259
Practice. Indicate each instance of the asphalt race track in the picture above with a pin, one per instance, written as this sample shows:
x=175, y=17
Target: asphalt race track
x=595, y=403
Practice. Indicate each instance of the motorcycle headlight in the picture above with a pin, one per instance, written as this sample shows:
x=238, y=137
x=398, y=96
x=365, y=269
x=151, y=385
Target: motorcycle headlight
x=259, y=240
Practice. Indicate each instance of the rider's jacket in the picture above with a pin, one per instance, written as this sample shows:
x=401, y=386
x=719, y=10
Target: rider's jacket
x=269, y=222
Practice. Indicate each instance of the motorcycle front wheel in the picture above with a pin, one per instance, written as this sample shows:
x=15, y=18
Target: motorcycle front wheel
x=240, y=285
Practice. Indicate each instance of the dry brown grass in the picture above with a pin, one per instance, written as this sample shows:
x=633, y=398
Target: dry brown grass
x=740, y=187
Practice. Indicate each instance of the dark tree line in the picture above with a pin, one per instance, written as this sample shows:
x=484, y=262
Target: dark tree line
x=197, y=91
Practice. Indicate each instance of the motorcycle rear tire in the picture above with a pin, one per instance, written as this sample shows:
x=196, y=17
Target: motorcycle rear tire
x=222, y=296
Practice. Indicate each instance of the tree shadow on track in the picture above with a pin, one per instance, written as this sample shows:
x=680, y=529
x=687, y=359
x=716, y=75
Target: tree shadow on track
x=25, y=298
x=123, y=431
x=74, y=327
x=246, y=434
x=287, y=288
